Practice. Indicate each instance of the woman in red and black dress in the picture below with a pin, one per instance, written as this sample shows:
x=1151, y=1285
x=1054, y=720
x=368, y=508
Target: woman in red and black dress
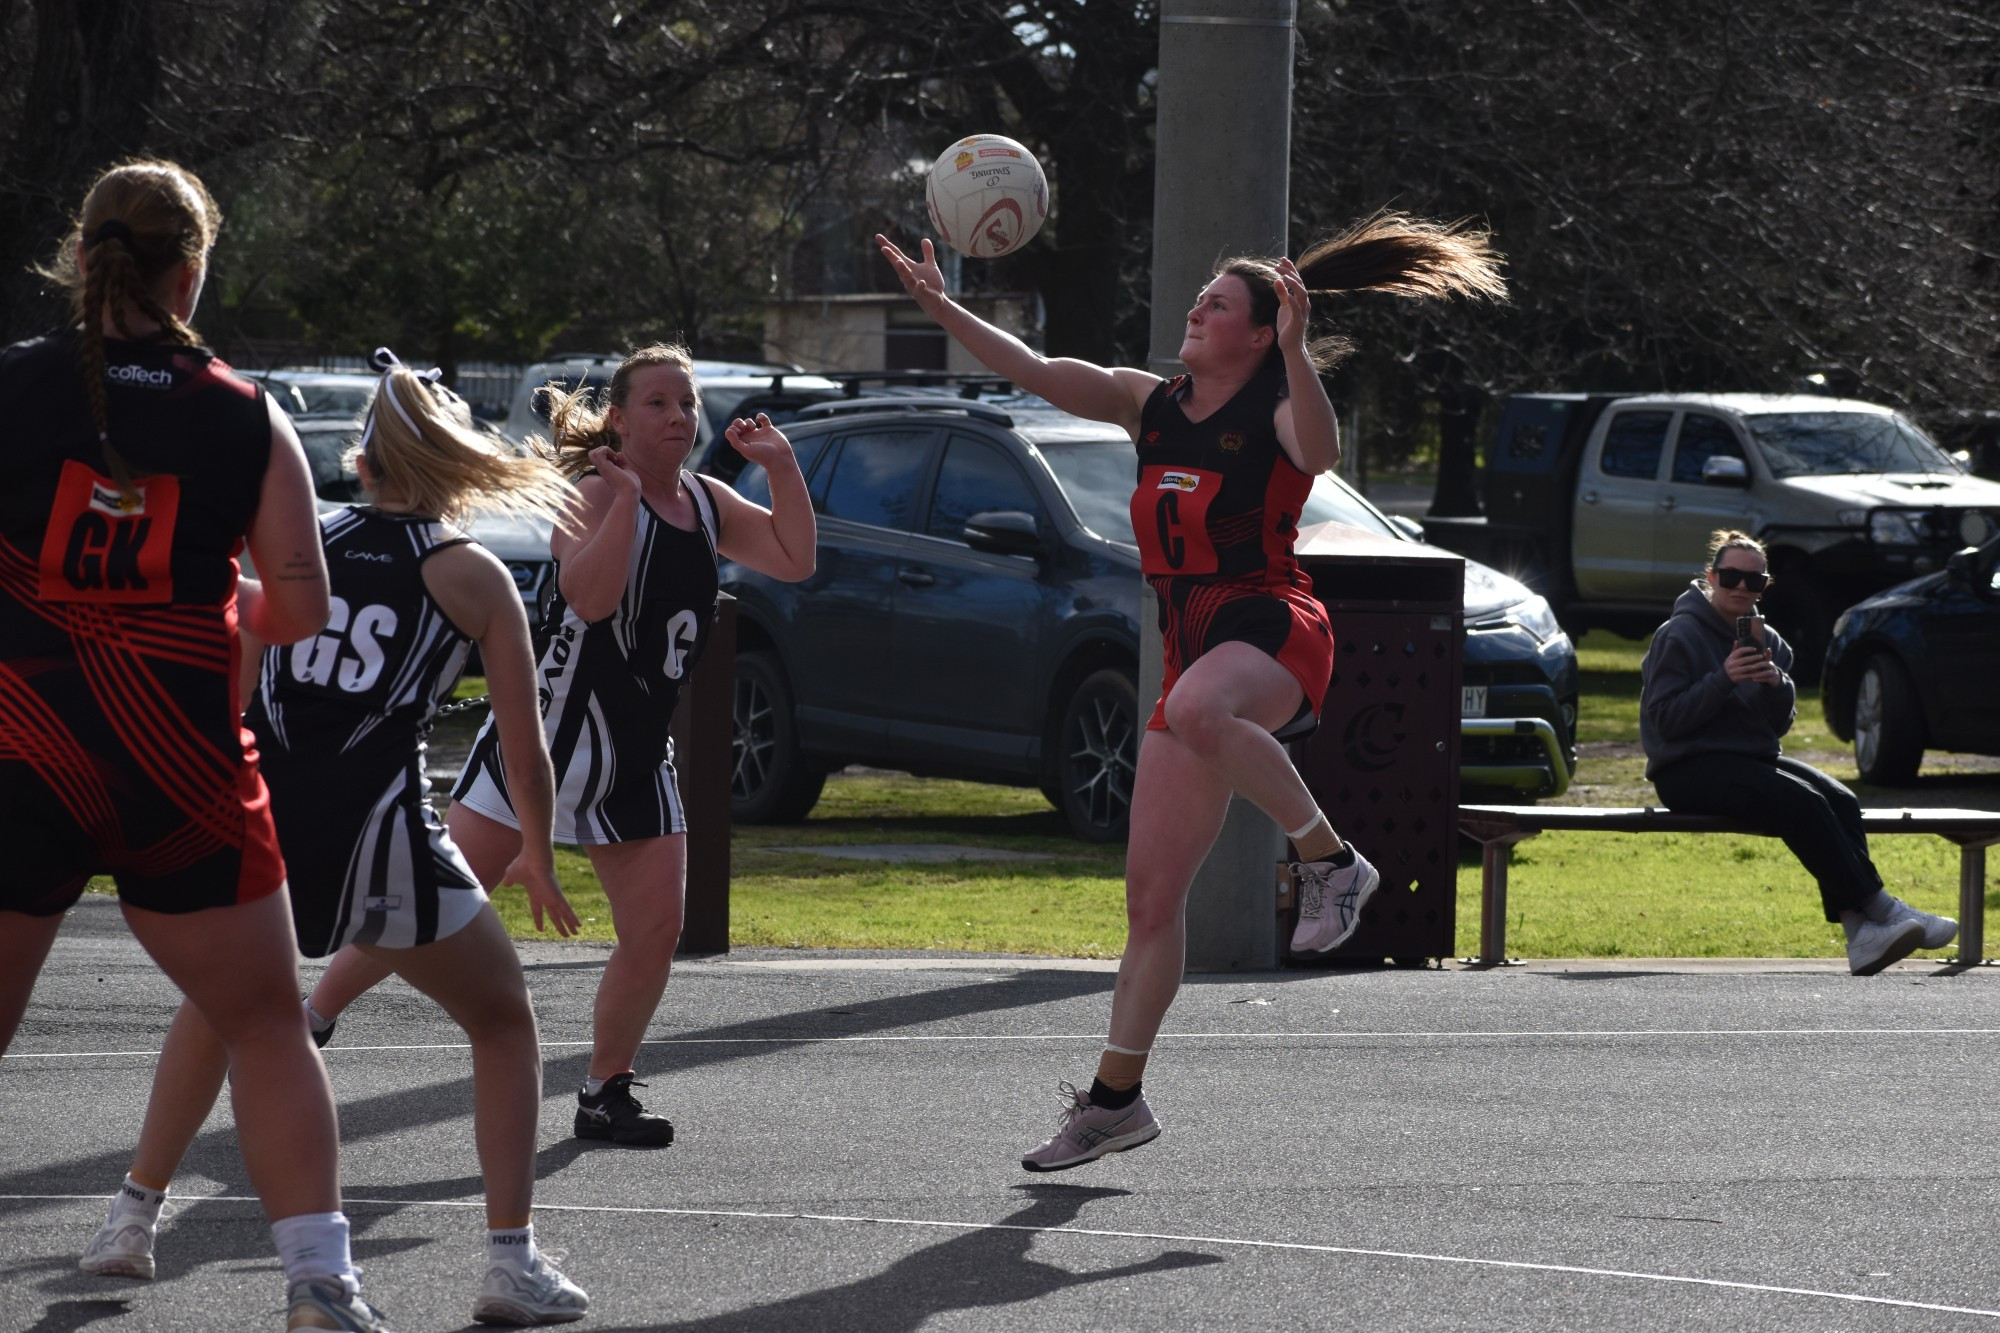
x=1227, y=454
x=139, y=466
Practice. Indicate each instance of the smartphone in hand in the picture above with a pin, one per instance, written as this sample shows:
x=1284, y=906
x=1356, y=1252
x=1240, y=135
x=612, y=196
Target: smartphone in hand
x=1746, y=633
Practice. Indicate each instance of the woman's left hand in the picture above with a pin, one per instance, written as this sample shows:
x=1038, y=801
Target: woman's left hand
x=759, y=441
x=545, y=896
x=1294, y=307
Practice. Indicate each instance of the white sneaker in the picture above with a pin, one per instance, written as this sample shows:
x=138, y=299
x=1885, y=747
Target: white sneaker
x=122, y=1247
x=1873, y=945
x=1938, y=930
x=1330, y=899
x=332, y=1303
x=521, y=1298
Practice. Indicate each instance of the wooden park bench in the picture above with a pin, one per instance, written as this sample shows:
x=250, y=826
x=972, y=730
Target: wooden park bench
x=1496, y=828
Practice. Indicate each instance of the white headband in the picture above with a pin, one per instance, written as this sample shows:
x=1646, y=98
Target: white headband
x=385, y=361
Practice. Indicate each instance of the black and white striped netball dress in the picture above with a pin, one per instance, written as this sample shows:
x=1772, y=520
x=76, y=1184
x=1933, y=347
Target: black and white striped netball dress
x=341, y=720
x=608, y=689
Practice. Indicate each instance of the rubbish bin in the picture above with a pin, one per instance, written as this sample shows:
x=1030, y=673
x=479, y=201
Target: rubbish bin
x=704, y=735
x=1384, y=762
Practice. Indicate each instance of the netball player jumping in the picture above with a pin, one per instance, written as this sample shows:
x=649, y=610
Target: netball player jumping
x=1227, y=453
x=139, y=465
x=635, y=592
x=340, y=720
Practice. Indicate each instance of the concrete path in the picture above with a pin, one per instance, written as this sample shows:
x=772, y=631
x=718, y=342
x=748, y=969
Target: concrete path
x=1634, y=1146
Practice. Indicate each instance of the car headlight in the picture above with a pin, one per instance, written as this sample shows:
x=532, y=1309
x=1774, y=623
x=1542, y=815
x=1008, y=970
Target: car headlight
x=1895, y=527
x=1537, y=617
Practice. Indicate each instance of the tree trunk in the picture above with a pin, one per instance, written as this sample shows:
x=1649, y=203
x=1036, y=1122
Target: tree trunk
x=1457, y=494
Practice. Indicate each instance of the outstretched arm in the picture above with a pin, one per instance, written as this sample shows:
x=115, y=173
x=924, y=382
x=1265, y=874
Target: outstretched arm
x=781, y=541
x=1100, y=393
x=1307, y=429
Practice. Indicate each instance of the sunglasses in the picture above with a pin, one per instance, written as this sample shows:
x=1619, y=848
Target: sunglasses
x=1741, y=578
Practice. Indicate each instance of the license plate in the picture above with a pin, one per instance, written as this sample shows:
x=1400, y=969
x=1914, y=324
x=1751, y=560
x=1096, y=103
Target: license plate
x=1474, y=704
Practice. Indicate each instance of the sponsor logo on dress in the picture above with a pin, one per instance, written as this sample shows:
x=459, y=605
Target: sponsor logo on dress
x=1152, y=437
x=383, y=557
x=138, y=377
x=382, y=902
x=1179, y=481
x=1232, y=442
x=109, y=500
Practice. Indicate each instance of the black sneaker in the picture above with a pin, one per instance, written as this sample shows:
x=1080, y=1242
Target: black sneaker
x=615, y=1114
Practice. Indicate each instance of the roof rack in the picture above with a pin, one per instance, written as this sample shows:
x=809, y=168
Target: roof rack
x=845, y=407
x=968, y=385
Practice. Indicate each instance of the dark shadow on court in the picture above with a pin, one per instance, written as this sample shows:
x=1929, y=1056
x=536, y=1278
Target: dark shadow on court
x=973, y=1270
x=68, y=1316
x=214, y=1153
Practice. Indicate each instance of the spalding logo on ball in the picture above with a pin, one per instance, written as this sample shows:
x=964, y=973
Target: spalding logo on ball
x=987, y=196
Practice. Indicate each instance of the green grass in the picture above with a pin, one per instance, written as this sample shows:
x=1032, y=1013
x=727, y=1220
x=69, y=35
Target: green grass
x=1571, y=895
x=1608, y=706
x=1072, y=904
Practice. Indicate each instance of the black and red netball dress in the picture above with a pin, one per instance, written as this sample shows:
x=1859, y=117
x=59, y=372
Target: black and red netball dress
x=121, y=745
x=1215, y=515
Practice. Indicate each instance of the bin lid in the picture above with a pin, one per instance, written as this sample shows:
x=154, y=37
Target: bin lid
x=1341, y=544
x=1352, y=565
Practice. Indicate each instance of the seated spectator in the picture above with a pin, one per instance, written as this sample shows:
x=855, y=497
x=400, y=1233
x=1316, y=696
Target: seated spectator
x=1713, y=706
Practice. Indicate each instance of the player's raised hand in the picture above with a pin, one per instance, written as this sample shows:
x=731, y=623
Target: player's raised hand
x=1294, y=306
x=924, y=281
x=615, y=468
x=758, y=440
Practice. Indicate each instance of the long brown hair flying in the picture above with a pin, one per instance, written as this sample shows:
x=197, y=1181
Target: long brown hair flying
x=580, y=421
x=1386, y=252
x=140, y=221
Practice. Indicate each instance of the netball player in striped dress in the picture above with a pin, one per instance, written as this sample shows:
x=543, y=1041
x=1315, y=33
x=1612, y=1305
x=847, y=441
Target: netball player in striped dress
x=634, y=595
x=1227, y=453
x=139, y=465
x=341, y=719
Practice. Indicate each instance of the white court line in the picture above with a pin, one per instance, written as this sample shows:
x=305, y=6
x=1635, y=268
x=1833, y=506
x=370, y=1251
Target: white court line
x=1417, y=1033
x=1302, y=1247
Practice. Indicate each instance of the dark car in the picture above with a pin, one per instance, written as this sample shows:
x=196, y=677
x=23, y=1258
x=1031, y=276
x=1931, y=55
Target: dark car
x=975, y=613
x=1910, y=669
x=521, y=543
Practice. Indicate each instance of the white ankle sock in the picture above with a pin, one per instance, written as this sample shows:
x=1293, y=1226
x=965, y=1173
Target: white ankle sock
x=314, y=1245
x=513, y=1247
x=134, y=1202
x=593, y=1086
x=319, y=1021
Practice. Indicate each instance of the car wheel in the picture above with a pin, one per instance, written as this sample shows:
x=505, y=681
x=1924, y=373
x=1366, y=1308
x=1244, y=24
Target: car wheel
x=770, y=781
x=1888, y=724
x=1097, y=753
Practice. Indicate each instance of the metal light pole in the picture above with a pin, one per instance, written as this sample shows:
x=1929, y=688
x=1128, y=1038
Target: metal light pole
x=1222, y=167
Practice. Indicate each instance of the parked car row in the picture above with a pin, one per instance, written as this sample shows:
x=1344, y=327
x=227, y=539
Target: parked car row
x=977, y=609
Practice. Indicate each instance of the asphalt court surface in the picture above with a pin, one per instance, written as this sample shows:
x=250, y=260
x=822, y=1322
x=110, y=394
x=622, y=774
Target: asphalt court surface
x=1636, y=1146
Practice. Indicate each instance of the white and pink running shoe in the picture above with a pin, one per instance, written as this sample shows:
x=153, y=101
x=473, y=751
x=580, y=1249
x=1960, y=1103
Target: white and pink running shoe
x=1086, y=1133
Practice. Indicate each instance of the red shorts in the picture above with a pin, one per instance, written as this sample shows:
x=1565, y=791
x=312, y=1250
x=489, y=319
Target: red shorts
x=1290, y=625
x=122, y=754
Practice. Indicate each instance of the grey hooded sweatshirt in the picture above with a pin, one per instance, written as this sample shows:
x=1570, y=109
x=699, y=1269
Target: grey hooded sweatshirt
x=1687, y=703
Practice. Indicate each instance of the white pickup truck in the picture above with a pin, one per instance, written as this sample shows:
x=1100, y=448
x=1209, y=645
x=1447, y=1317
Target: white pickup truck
x=1604, y=503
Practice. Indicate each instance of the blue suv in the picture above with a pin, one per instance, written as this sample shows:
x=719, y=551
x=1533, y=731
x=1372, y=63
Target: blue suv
x=976, y=614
